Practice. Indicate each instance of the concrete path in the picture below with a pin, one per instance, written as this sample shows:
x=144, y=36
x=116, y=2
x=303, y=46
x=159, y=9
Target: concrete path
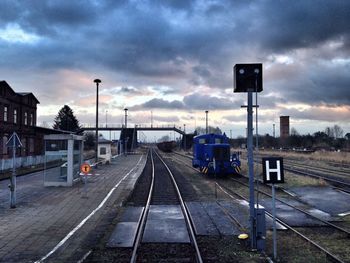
x=61, y=224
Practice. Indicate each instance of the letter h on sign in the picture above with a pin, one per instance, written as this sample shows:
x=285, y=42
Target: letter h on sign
x=273, y=170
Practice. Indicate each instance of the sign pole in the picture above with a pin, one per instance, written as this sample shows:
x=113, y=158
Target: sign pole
x=274, y=222
x=251, y=169
x=13, y=176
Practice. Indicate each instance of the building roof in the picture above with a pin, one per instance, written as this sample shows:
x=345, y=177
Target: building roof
x=50, y=130
x=4, y=84
x=102, y=140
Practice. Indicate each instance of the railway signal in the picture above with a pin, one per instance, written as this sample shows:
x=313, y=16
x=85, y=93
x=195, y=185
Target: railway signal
x=248, y=78
x=273, y=173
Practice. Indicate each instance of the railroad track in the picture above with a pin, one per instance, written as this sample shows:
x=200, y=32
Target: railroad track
x=342, y=232
x=329, y=255
x=164, y=190
x=335, y=178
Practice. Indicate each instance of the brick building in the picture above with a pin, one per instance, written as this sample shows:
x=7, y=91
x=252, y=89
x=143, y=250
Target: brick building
x=18, y=114
x=284, y=127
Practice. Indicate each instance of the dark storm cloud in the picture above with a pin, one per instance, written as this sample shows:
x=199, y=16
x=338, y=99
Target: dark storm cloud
x=320, y=114
x=191, y=102
x=162, y=43
x=47, y=17
x=281, y=25
x=316, y=85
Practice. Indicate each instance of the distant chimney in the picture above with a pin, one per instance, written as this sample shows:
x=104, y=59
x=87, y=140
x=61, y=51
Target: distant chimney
x=284, y=126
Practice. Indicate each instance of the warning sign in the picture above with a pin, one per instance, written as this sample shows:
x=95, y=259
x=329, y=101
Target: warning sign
x=85, y=168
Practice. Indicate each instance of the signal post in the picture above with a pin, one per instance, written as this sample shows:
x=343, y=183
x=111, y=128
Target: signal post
x=248, y=79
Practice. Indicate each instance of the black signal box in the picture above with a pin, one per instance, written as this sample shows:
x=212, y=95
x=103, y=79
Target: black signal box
x=247, y=77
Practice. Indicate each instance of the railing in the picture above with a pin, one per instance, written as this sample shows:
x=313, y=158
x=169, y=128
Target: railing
x=6, y=164
x=120, y=126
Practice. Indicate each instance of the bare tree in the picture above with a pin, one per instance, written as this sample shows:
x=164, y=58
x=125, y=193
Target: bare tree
x=329, y=131
x=338, y=131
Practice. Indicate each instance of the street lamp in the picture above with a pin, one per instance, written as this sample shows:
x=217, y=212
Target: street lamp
x=206, y=122
x=185, y=137
x=97, y=81
x=106, y=117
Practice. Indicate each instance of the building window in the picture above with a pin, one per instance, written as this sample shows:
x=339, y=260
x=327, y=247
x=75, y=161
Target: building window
x=103, y=151
x=15, y=116
x=5, y=113
x=25, y=118
x=31, y=119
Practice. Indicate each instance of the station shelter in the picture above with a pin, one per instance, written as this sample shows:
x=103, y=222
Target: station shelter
x=104, y=150
x=63, y=158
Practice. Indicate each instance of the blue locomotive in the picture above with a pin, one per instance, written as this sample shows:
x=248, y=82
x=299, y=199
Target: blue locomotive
x=211, y=154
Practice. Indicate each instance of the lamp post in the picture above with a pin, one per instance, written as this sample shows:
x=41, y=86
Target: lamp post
x=106, y=117
x=185, y=137
x=97, y=81
x=125, y=135
x=206, y=122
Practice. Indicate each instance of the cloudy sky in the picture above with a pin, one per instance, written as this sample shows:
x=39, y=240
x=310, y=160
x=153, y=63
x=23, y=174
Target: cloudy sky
x=174, y=58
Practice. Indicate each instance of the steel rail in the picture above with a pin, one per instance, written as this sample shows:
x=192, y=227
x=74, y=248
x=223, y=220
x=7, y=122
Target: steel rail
x=144, y=216
x=185, y=212
x=299, y=209
x=317, y=176
x=328, y=254
x=296, y=208
x=322, y=170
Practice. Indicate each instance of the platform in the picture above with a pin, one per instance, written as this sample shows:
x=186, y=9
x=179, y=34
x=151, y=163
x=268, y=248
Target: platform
x=46, y=215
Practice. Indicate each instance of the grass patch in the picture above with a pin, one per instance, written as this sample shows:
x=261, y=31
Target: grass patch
x=291, y=248
x=295, y=180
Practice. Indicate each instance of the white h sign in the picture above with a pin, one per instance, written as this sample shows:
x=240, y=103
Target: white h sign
x=273, y=175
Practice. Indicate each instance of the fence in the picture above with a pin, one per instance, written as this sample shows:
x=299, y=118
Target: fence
x=6, y=164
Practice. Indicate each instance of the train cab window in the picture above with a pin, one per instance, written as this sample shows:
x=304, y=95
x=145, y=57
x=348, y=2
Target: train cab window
x=218, y=140
x=201, y=141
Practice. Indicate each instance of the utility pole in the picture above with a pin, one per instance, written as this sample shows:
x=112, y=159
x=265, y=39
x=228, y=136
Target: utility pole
x=151, y=119
x=206, y=122
x=274, y=135
x=126, y=128
x=97, y=81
